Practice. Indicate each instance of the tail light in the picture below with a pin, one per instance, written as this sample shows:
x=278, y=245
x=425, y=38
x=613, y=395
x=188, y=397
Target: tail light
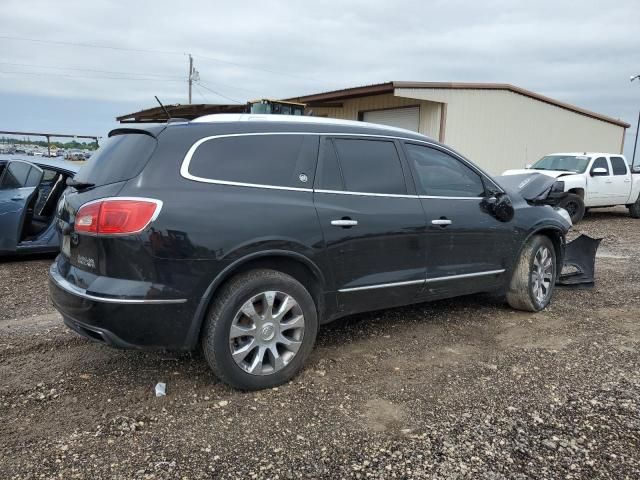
x=117, y=216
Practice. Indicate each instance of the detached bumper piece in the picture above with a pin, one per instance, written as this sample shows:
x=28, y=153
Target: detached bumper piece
x=579, y=261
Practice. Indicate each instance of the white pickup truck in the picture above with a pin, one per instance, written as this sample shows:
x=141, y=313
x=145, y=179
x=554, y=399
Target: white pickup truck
x=592, y=180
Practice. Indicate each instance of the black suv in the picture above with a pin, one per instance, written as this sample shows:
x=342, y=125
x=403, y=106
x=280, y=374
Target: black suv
x=243, y=233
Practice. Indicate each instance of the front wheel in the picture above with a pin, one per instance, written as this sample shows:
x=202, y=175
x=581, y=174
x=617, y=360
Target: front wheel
x=534, y=277
x=574, y=205
x=260, y=330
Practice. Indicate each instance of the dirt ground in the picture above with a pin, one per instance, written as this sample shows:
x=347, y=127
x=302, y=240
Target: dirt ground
x=465, y=388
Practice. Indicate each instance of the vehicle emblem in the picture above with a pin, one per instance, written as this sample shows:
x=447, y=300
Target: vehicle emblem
x=268, y=331
x=303, y=178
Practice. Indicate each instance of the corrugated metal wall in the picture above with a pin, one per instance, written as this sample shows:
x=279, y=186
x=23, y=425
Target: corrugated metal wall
x=499, y=129
x=429, y=111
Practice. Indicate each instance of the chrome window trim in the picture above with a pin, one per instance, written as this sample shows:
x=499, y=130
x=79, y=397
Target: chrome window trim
x=423, y=281
x=186, y=162
x=81, y=292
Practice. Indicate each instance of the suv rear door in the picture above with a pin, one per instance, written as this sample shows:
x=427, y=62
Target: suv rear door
x=373, y=224
x=18, y=187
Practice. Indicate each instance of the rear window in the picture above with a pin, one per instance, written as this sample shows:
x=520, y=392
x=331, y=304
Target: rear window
x=120, y=158
x=270, y=160
x=619, y=166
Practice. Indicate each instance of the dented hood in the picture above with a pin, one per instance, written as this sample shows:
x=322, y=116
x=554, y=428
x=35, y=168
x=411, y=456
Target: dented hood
x=550, y=173
x=533, y=186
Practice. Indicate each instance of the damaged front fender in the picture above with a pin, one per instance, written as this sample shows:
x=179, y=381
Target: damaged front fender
x=579, y=262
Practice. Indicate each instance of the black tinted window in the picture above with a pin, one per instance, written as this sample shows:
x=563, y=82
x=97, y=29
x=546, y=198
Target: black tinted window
x=16, y=175
x=330, y=177
x=441, y=175
x=120, y=158
x=618, y=165
x=33, y=180
x=280, y=160
x=600, y=162
x=370, y=166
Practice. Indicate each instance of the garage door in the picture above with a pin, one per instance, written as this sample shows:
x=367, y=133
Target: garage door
x=408, y=118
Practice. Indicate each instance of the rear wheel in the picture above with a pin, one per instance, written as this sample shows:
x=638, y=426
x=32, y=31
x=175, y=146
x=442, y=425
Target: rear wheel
x=534, y=277
x=574, y=204
x=260, y=330
x=634, y=208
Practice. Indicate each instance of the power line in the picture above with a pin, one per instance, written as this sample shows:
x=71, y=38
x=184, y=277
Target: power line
x=218, y=93
x=87, y=70
x=42, y=74
x=163, y=52
x=91, y=45
x=251, y=67
x=204, y=97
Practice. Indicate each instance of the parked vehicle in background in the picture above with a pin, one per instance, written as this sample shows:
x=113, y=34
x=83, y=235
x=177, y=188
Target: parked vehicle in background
x=244, y=233
x=592, y=180
x=29, y=194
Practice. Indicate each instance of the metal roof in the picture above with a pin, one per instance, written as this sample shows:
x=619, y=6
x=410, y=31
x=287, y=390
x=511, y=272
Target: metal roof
x=188, y=112
x=390, y=87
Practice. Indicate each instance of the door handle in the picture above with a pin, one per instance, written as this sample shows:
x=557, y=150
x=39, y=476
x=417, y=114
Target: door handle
x=17, y=198
x=608, y=181
x=443, y=222
x=344, y=222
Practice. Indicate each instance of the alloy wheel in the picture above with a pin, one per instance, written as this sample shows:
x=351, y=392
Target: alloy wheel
x=266, y=333
x=542, y=274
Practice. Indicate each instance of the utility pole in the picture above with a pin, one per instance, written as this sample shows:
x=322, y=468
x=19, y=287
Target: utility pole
x=190, y=76
x=635, y=144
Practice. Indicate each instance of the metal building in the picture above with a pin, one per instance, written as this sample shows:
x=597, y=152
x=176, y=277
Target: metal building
x=498, y=126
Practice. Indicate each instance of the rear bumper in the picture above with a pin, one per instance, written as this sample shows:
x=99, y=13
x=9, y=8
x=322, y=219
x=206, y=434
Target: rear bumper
x=122, y=321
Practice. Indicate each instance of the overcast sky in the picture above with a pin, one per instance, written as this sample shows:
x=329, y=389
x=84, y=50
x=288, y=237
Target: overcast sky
x=580, y=52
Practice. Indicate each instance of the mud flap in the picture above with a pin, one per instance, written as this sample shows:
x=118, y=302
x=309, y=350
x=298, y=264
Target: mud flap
x=579, y=261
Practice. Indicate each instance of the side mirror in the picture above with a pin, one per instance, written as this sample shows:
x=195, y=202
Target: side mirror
x=499, y=206
x=527, y=166
x=599, y=172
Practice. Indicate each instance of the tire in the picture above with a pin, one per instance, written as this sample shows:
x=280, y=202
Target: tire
x=634, y=209
x=522, y=293
x=260, y=293
x=574, y=204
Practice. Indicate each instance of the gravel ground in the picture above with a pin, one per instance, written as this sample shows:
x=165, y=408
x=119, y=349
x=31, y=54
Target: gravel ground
x=465, y=388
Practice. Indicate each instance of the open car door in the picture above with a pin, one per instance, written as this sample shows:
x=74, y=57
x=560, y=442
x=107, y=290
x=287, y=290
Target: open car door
x=18, y=188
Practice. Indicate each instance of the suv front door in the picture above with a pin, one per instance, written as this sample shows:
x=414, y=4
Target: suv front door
x=373, y=226
x=18, y=187
x=600, y=186
x=468, y=249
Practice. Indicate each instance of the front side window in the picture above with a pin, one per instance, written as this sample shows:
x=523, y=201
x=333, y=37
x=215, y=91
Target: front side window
x=618, y=165
x=270, y=160
x=441, y=175
x=601, y=162
x=370, y=166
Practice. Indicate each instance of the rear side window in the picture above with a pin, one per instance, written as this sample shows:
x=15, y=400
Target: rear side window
x=441, y=175
x=120, y=158
x=618, y=165
x=600, y=162
x=270, y=160
x=370, y=166
x=16, y=175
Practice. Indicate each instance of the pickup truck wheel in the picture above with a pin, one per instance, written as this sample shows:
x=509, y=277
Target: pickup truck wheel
x=634, y=209
x=574, y=204
x=534, y=276
x=260, y=330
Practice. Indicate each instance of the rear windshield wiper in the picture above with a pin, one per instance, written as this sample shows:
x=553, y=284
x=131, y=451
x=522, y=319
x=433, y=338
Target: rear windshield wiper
x=79, y=185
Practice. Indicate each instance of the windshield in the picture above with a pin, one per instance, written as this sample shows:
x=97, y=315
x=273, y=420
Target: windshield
x=562, y=163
